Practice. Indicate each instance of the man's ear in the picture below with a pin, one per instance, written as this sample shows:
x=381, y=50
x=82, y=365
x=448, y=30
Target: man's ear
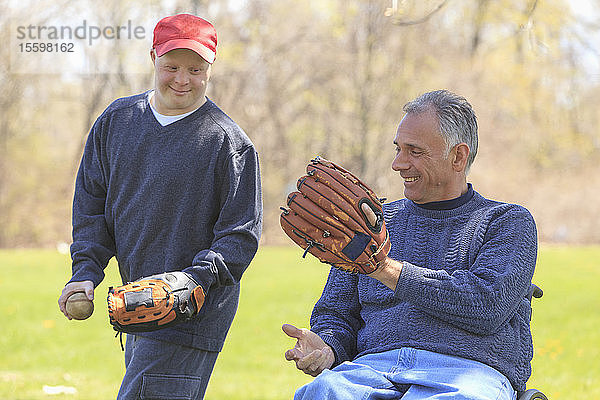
x=209, y=72
x=461, y=153
x=152, y=55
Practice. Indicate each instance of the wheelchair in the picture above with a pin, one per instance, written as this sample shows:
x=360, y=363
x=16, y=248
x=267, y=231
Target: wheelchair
x=532, y=394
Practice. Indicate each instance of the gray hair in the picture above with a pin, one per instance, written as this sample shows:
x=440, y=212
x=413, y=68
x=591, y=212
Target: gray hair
x=457, y=120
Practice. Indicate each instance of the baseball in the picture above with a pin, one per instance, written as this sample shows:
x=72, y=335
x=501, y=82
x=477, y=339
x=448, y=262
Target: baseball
x=79, y=306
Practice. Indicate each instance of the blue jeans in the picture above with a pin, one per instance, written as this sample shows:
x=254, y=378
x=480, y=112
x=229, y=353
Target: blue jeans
x=161, y=370
x=408, y=374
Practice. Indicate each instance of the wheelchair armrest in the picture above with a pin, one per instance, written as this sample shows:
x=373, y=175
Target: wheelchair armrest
x=532, y=394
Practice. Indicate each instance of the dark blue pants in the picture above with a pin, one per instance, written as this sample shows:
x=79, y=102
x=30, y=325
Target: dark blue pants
x=161, y=370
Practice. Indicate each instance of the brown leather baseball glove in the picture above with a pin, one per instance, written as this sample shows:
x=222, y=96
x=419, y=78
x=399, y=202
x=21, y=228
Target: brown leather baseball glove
x=154, y=302
x=336, y=218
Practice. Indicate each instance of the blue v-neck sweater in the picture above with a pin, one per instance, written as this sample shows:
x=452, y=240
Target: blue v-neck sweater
x=185, y=196
x=462, y=290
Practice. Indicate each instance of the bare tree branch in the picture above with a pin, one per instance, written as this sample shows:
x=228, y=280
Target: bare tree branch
x=422, y=19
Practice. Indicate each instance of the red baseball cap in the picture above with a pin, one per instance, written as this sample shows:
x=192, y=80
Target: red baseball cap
x=186, y=31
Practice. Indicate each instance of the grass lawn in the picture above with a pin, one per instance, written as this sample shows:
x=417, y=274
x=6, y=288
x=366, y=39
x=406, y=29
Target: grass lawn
x=42, y=348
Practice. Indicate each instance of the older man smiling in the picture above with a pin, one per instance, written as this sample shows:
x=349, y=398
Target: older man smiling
x=445, y=315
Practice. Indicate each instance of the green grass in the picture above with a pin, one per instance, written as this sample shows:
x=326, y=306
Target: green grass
x=566, y=323
x=40, y=347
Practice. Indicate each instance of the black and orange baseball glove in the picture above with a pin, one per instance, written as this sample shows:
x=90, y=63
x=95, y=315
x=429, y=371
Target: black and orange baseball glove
x=154, y=302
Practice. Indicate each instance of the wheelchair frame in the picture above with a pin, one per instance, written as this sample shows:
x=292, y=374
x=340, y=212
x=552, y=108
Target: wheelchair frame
x=532, y=394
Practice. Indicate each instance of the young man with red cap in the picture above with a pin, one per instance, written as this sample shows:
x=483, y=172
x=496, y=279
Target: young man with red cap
x=168, y=182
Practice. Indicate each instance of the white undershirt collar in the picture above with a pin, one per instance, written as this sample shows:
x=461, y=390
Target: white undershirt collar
x=162, y=119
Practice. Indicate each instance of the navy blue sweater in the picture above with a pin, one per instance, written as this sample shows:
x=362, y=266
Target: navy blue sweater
x=185, y=196
x=462, y=290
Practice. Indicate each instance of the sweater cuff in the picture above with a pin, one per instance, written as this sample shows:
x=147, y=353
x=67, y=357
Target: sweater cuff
x=209, y=269
x=410, y=282
x=408, y=276
x=338, y=350
x=88, y=272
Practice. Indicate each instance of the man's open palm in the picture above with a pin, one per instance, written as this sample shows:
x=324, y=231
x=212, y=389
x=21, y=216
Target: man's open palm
x=311, y=354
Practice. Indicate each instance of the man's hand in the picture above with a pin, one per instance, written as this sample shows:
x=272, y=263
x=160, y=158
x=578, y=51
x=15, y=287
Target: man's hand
x=311, y=354
x=85, y=286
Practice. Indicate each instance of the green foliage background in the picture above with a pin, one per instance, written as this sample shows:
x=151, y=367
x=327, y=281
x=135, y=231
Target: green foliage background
x=40, y=347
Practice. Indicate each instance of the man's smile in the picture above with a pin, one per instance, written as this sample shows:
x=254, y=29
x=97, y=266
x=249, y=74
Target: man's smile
x=410, y=179
x=180, y=92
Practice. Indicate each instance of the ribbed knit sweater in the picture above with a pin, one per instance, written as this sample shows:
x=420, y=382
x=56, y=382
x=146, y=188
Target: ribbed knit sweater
x=185, y=196
x=462, y=290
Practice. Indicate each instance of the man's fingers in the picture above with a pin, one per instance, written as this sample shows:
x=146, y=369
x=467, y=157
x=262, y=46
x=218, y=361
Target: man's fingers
x=310, y=358
x=293, y=354
x=318, y=364
x=288, y=355
x=292, y=331
x=305, y=362
x=84, y=286
x=62, y=300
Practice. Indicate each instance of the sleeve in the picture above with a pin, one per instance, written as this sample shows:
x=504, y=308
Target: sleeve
x=336, y=315
x=483, y=297
x=238, y=227
x=93, y=245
